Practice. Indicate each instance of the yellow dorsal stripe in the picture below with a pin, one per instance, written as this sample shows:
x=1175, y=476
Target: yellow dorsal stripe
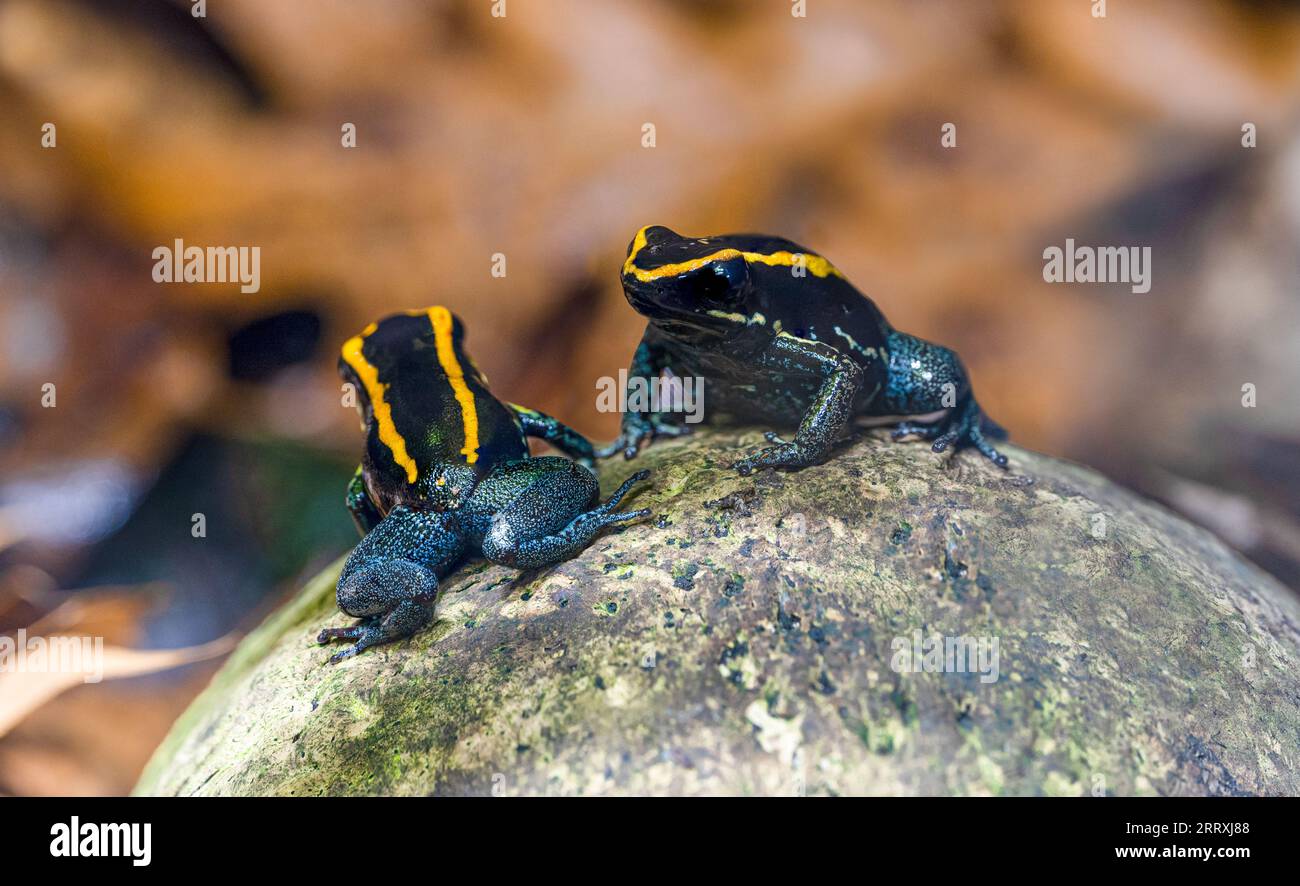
x=383, y=413
x=440, y=319
x=816, y=265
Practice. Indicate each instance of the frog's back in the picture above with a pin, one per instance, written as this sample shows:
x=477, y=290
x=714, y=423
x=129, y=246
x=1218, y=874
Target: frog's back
x=809, y=297
x=430, y=405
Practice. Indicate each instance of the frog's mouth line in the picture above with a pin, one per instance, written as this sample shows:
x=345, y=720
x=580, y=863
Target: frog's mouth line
x=680, y=323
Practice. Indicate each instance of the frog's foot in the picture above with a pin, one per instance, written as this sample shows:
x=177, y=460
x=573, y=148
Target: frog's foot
x=967, y=428
x=639, y=430
x=786, y=454
x=408, y=618
x=612, y=502
x=392, y=598
x=353, y=633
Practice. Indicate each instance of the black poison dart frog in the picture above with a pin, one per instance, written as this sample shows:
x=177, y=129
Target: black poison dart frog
x=778, y=334
x=446, y=474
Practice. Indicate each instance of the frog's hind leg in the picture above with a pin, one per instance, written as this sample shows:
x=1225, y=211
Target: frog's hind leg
x=550, y=518
x=390, y=580
x=933, y=374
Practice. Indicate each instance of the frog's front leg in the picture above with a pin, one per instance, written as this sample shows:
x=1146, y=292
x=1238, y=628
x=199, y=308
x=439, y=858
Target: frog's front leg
x=364, y=513
x=826, y=419
x=557, y=433
x=639, y=428
x=548, y=516
x=390, y=580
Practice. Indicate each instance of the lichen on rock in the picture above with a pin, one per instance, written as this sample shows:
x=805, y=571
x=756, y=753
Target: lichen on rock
x=758, y=635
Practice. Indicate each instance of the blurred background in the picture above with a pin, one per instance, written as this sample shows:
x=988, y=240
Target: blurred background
x=523, y=135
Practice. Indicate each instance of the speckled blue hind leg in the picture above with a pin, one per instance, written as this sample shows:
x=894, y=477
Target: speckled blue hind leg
x=548, y=522
x=390, y=580
x=922, y=378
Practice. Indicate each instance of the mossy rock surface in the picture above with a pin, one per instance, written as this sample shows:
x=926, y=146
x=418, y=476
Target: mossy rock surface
x=743, y=642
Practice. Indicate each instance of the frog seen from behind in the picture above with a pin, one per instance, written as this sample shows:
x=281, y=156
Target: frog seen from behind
x=446, y=474
x=778, y=334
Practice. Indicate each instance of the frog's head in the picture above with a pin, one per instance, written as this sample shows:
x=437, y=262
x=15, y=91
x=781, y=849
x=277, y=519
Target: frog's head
x=691, y=288
x=384, y=349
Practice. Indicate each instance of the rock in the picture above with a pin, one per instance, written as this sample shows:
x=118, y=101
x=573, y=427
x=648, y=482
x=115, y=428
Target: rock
x=755, y=637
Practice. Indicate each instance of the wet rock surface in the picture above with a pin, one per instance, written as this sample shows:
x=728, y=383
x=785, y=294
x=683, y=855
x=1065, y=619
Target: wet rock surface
x=772, y=635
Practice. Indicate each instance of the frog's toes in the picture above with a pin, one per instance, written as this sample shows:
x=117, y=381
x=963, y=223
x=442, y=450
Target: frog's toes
x=329, y=634
x=614, y=446
x=622, y=490
x=344, y=653
x=629, y=443
x=986, y=449
x=969, y=433
x=663, y=428
x=362, y=635
x=405, y=619
x=946, y=439
x=626, y=516
x=639, y=430
x=369, y=637
x=593, y=521
x=785, y=455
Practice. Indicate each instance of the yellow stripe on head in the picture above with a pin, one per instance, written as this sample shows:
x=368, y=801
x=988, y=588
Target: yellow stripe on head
x=383, y=413
x=440, y=319
x=816, y=265
x=638, y=243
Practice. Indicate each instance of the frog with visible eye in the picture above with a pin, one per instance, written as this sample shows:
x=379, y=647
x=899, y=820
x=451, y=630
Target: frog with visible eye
x=778, y=334
x=446, y=474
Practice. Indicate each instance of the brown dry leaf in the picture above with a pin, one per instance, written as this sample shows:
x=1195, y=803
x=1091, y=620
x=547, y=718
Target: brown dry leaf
x=112, y=613
x=95, y=739
x=23, y=692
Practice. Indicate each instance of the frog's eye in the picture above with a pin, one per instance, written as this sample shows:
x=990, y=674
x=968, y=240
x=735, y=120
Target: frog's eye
x=441, y=481
x=721, y=281
x=713, y=284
